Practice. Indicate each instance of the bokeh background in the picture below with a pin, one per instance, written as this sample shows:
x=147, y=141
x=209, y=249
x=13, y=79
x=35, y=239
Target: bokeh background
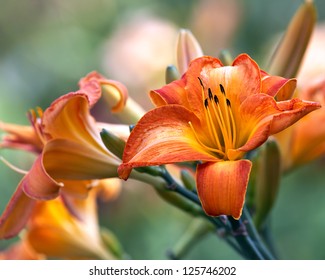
x=47, y=46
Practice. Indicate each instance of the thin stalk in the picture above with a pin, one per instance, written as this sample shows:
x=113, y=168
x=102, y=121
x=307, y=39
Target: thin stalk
x=255, y=235
x=244, y=240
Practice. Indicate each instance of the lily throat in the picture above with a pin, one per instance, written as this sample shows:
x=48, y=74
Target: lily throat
x=220, y=126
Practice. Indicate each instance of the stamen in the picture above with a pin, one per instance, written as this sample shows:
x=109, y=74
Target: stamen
x=222, y=89
x=233, y=124
x=216, y=100
x=201, y=82
x=11, y=166
x=206, y=103
x=228, y=102
x=210, y=93
x=205, y=146
x=214, y=132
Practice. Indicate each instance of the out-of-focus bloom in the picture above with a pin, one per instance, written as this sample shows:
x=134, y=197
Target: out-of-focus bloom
x=215, y=23
x=137, y=51
x=53, y=231
x=214, y=114
x=305, y=141
x=71, y=150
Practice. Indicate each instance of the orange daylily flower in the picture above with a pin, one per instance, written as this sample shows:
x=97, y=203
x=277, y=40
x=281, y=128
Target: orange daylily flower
x=54, y=232
x=71, y=149
x=214, y=114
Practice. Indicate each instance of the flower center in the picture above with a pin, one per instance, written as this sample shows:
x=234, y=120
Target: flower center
x=220, y=122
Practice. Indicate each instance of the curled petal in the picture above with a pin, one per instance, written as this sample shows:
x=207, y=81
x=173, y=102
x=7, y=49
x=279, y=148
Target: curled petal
x=222, y=186
x=277, y=86
x=113, y=91
x=162, y=136
x=16, y=214
x=292, y=111
x=173, y=93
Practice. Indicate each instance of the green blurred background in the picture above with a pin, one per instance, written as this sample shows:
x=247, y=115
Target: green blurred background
x=47, y=46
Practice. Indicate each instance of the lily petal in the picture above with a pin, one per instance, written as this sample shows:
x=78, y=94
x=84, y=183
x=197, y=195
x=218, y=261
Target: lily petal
x=38, y=184
x=173, y=93
x=222, y=186
x=69, y=160
x=20, y=137
x=162, y=136
x=76, y=150
x=277, y=86
x=16, y=214
x=266, y=117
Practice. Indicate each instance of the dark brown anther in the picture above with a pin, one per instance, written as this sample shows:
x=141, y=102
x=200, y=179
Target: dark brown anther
x=228, y=102
x=201, y=82
x=222, y=89
x=210, y=93
x=216, y=100
x=206, y=102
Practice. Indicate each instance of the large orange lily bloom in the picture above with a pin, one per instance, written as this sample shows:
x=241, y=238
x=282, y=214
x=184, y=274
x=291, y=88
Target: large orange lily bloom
x=214, y=114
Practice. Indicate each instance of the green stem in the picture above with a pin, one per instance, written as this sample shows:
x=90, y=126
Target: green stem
x=244, y=240
x=252, y=231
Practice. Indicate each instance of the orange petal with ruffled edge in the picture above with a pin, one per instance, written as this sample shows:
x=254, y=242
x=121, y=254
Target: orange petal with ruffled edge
x=222, y=186
x=261, y=117
x=163, y=136
x=16, y=214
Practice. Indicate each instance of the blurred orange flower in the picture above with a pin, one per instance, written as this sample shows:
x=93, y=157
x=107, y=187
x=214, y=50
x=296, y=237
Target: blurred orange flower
x=69, y=148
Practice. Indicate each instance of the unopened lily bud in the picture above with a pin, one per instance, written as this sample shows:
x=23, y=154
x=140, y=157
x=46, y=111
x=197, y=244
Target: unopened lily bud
x=112, y=243
x=289, y=54
x=128, y=111
x=268, y=170
x=113, y=143
x=172, y=74
x=188, y=180
x=196, y=230
x=226, y=57
x=188, y=48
